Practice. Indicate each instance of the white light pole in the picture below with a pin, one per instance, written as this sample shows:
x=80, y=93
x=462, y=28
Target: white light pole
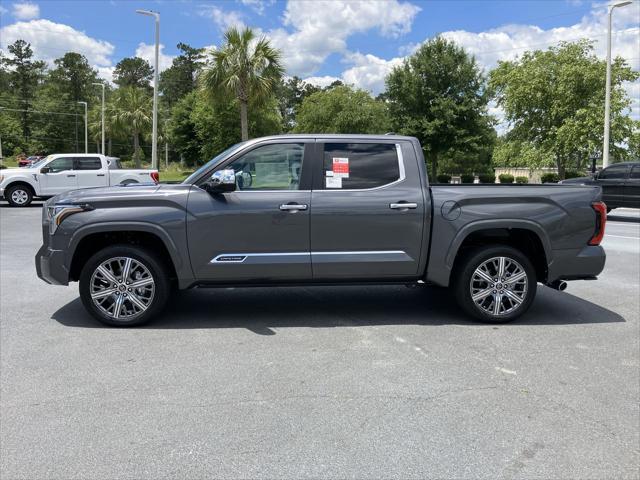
x=154, y=136
x=102, y=85
x=607, y=97
x=86, y=138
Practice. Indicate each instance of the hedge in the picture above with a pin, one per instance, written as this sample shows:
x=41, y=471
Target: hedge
x=522, y=179
x=487, y=178
x=505, y=178
x=550, y=178
x=467, y=178
x=443, y=178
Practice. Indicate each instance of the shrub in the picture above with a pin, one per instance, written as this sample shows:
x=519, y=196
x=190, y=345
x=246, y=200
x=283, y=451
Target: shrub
x=522, y=179
x=573, y=174
x=443, y=178
x=467, y=178
x=487, y=178
x=550, y=178
x=2, y=166
x=505, y=178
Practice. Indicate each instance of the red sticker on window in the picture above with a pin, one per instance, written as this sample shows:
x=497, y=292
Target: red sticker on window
x=341, y=167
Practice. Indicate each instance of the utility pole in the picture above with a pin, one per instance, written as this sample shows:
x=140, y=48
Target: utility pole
x=154, y=138
x=607, y=95
x=102, y=151
x=86, y=130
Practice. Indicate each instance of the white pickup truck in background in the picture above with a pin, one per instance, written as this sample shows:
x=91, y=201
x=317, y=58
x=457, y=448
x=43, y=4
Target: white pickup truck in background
x=60, y=173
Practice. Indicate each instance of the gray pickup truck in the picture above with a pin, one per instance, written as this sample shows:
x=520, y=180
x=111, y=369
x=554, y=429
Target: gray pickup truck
x=318, y=210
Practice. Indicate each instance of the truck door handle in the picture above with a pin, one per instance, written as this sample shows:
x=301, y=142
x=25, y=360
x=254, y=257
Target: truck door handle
x=402, y=205
x=70, y=176
x=100, y=175
x=293, y=207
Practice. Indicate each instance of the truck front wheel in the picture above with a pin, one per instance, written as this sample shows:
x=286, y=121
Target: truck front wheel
x=495, y=283
x=124, y=285
x=19, y=196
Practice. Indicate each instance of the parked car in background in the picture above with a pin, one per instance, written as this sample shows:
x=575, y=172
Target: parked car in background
x=57, y=174
x=27, y=162
x=320, y=209
x=620, y=184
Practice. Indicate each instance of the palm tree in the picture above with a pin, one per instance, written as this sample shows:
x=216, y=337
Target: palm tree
x=130, y=112
x=245, y=67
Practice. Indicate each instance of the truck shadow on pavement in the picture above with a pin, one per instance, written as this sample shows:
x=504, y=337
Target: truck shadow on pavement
x=261, y=309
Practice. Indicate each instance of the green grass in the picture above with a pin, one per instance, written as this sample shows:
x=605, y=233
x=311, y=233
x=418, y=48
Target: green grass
x=10, y=162
x=173, y=176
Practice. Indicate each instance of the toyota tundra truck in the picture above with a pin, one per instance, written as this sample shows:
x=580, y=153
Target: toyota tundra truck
x=59, y=173
x=318, y=210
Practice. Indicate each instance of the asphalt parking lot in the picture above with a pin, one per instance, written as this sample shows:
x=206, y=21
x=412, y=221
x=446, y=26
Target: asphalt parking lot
x=321, y=382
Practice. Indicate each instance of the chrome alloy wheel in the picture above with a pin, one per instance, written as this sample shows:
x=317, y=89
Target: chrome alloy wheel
x=122, y=288
x=19, y=197
x=499, y=286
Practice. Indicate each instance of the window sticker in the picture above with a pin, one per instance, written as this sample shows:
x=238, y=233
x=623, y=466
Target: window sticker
x=334, y=182
x=341, y=167
x=329, y=173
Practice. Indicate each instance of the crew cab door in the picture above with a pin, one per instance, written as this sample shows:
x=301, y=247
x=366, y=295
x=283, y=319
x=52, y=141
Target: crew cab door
x=60, y=178
x=90, y=172
x=632, y=188
x=260, y=232
x=368, y=211
x=612, y=180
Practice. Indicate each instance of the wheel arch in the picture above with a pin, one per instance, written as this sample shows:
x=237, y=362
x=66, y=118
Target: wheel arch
x=24, y=182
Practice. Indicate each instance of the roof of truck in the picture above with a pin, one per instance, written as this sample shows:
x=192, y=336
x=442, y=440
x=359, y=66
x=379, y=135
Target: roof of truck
x=387, y=136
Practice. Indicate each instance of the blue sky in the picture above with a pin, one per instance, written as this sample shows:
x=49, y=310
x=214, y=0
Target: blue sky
x=356, y=41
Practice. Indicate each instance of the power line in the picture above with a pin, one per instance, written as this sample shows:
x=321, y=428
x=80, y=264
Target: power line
x=38, y=111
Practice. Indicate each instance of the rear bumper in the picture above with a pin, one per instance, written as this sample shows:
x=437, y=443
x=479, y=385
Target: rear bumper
x=576, y=265
x=50, y=266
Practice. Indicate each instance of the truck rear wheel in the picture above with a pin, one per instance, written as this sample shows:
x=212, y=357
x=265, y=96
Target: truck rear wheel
x=124, y=286
x=19, y=196
x=495, y=283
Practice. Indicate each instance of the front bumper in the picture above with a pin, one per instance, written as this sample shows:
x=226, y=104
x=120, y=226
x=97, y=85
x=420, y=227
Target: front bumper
x=50, y=266
x=586, y=263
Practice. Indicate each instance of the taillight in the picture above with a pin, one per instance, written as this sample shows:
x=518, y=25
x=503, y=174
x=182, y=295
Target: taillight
x=155, y=176
x=601, y=220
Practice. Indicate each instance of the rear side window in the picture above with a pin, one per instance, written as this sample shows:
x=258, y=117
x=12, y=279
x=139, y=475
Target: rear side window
x=617, y=171
x=635, y=172
x=357, y=166
x=90, y=163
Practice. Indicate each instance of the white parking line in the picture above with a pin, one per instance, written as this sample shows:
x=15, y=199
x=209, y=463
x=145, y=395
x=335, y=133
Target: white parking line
x=620, y=236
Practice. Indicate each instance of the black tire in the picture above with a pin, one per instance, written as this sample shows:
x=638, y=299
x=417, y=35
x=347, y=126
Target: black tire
x=463, y=287
x=154, y=267
x=19, y=195
x=609, y=209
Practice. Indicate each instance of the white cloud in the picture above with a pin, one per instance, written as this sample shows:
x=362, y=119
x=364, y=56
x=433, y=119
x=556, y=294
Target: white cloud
x=321, y=28
x=106, y=73
x=223, y=19
x=368, y=71
x=26, y=11
x=257, y=6
x=51, y=40
x=321, y=82
x=148, y=53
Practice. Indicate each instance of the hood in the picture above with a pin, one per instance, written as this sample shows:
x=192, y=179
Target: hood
x=578, y=181
x=15, y=171
x=132, y=194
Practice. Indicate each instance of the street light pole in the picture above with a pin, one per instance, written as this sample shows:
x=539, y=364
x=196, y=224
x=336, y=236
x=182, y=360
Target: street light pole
x=86, y=137
x=607, y=95
x=102, y=121
x=154, y=136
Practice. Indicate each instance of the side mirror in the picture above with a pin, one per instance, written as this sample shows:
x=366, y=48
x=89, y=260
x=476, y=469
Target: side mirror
x=222, y=181
x=45, y=169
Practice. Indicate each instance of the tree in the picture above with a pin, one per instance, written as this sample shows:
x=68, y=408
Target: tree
x=133, y=72
x=438, y=96
x=246, y=68
x=130, y=111
x=23, y=78
x=290, y=94
x=342, y=109
x=180, y=78
x=554, y=100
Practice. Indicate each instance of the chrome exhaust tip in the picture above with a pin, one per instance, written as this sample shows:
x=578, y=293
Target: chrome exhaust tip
x=559, y=285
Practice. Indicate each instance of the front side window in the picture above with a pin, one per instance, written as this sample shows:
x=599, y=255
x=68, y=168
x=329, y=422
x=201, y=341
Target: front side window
x=270, y=167
x=92, y=163
x=617, y=171
x=61, y=164
x=359, y=165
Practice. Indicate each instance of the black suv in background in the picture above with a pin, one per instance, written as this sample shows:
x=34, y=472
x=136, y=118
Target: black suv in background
x=620, y=184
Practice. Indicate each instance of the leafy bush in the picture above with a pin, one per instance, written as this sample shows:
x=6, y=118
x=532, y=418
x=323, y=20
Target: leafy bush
x=2, y=166
x=467, y=178
x=573, y=174
x=487, y=178
x=443, y=178
x=505, y=178
x=550, y=178
x=522, y=179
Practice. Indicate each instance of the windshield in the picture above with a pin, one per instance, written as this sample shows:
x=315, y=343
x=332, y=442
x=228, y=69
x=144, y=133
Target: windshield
x=39, y=162
x=191, y=178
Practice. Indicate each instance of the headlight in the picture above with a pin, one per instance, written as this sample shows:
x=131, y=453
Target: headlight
x=57, y=213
